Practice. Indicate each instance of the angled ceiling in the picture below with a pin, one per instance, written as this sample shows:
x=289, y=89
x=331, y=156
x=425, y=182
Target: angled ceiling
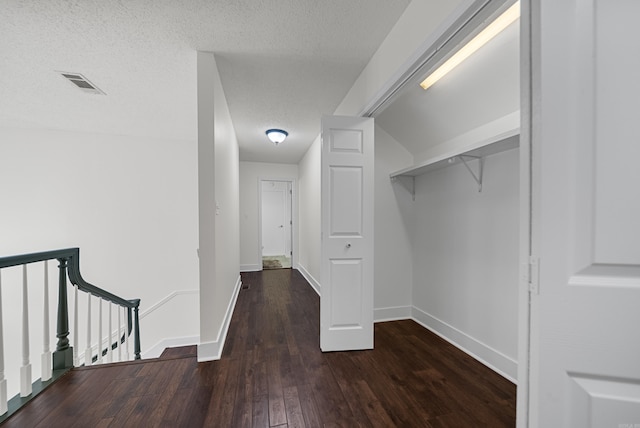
x=283, y=63
x=483, y=88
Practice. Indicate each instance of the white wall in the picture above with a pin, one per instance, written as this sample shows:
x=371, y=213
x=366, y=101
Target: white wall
x=219, y=207
x=465, y=261
x=207, y=74
x=393, y=217
x=250, y=173
x=309, y=221
x=130, y=204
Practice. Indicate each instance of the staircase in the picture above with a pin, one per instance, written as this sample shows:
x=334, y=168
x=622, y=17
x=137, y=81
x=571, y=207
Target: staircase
x=103, y=334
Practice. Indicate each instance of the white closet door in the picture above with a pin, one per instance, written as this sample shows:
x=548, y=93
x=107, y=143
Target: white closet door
x=585, y=340
x=346, y=303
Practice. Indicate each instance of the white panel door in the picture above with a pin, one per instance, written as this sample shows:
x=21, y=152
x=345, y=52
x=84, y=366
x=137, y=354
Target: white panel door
x=346, y=303
x=288, y=223
x=274, y=205
x=585, y=319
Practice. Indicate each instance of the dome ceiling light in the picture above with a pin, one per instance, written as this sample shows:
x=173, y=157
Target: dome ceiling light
x=276, y=136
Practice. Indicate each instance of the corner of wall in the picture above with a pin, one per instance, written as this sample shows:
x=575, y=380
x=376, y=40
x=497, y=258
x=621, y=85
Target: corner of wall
x=210, y=351
x=156, y=350
x=391, y=314
x=310, y=279
x=497, y=361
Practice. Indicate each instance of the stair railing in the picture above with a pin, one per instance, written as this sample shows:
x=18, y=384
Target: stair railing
x=65, y=356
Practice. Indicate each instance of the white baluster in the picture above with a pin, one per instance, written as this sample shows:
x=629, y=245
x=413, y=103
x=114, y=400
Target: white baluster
x=3, y=381
x=75, y=326
x=87, y=353
x=126, y=335
x=100, y=331
x=119, y=333
x=25, y=369
x=109, y=350
x=46, y=349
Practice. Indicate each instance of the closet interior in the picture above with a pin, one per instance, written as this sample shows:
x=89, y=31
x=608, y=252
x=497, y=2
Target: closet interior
x=463, y=136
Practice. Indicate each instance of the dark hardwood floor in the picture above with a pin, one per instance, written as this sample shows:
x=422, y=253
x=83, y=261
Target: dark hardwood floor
x=272, y=374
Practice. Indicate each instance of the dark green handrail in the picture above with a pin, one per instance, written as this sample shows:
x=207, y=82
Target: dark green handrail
x=69, y=259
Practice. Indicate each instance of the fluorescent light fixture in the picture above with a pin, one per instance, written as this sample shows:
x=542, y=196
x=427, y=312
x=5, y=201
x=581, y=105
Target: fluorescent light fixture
x=501, y=22
x=276, y=136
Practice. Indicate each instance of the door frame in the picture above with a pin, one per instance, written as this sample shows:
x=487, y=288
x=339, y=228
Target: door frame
x=466, y=16
x=294, y=217
x=526, y=319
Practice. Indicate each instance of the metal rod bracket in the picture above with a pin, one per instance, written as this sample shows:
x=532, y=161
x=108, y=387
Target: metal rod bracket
x=408, y=182
x=478, y=177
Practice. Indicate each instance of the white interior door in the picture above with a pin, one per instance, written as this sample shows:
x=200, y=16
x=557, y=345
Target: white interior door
x=288, y=217
x=585, y=320
x=346, y=302
x=274, y=218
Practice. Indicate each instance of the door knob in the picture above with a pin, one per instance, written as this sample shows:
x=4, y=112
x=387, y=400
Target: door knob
x=348, y=245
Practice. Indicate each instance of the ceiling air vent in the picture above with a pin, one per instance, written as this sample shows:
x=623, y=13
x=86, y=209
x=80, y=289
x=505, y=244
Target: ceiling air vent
x=82, y=83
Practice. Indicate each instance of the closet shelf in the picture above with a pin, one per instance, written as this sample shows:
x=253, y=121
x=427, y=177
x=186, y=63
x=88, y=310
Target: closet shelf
x=506, y=141
x=476, y=152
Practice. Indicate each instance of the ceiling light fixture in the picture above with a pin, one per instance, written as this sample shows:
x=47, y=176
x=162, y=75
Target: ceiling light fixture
x=276, y=136
x=493, y=29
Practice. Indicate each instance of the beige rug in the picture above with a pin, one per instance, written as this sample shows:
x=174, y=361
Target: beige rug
x=276, y=262
x=271, y=264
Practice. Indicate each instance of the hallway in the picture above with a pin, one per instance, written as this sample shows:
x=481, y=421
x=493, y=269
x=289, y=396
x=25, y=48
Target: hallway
x=272, y=374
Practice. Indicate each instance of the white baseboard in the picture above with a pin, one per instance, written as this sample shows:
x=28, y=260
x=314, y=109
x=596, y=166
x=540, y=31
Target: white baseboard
x=505, y=366
x=209, y=351
x=156, y=350
x=310, y=279
x=250, y=268
x=392, y=313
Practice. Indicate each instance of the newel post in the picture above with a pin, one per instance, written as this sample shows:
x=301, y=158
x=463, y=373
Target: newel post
x=136, y=336
x=63, y=355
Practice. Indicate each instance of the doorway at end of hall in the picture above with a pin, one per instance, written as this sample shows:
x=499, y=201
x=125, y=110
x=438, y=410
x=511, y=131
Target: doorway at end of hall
x=276, y=224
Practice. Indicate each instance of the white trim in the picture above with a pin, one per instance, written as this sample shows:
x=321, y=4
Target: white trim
x=156, y=350
x=250, y=268
x=502, y=364
x=310, y=279
x=209, y=351
x=166, y=300
x=526, y=388
x=391, y=314
x=294, y=215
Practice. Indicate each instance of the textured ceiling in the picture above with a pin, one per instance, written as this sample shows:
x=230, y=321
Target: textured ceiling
x=283, y=63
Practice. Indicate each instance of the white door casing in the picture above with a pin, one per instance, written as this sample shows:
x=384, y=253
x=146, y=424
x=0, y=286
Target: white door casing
x=346, y=302
x=276, y=213
x=585, y=319
x=288, y=219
